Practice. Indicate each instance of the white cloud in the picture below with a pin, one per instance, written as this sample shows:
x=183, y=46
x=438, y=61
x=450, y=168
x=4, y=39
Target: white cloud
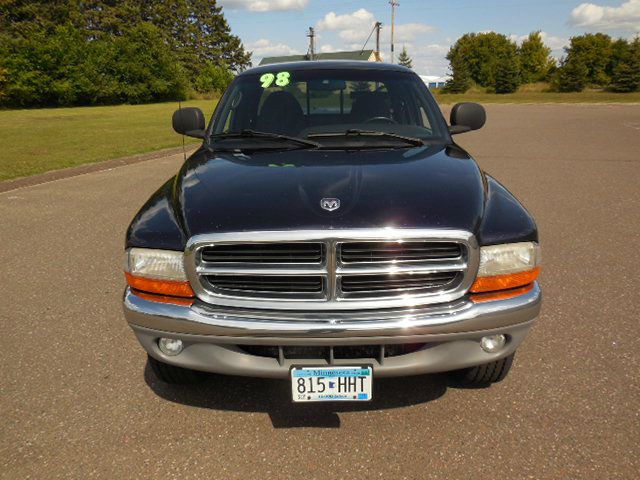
x=555, y=43
x=624, y=17
x=265, y=5
x=328, y=48
x=428, y=59
x=266, y=48
x=359, y=18
x=356, y=26
x=406, y=32
x=351, y=27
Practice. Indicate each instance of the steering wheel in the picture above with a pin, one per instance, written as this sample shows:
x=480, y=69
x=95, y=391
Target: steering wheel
x=380, y=120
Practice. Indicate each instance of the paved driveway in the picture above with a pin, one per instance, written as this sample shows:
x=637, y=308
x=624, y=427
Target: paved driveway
x=77, y=400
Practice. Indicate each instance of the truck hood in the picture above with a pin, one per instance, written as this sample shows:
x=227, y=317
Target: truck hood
x=436, y=186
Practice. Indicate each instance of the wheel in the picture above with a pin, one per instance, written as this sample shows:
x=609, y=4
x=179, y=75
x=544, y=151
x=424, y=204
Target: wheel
x=484, y=374
x=175, y=375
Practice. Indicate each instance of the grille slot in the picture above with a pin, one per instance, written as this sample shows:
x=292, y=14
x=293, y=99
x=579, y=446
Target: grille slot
x=269, y=284
x=264, y=253
x=397, y=282
x=398, y=252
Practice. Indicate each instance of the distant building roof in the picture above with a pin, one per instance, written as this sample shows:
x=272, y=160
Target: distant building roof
x=367, y=55
x=434, y=79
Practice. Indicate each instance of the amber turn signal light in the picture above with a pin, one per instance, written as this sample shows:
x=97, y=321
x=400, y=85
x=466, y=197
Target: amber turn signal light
x=161, y=287
x=504, y=282
x=154, y=297
x=502, y=295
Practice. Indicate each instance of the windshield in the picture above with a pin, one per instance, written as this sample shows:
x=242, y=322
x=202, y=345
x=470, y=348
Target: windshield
x=329, y=107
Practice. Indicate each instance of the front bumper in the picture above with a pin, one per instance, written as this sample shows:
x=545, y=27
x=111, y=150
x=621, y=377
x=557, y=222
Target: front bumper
x=450, y=333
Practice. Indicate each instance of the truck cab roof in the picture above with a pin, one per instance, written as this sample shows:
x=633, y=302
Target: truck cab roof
x=327, y=65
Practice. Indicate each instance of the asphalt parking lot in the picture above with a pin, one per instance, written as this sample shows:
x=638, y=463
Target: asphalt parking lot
x=77, y=400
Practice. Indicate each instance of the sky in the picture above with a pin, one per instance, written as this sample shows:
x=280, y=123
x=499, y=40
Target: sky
x=425, y=27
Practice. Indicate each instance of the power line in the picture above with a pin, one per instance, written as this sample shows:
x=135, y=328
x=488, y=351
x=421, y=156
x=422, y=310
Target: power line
x=375, y=26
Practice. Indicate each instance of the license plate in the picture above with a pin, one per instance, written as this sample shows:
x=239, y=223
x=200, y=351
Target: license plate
x=332, y=383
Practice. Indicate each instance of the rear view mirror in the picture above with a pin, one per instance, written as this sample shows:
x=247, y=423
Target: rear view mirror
x=189, y=121
x=466, y=117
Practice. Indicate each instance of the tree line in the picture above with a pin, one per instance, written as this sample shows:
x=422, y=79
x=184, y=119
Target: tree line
x=72, y=52
x=494, y=61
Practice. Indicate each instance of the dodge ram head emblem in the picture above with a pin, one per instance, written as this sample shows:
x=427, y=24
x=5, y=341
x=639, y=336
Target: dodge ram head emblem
x=330, y=204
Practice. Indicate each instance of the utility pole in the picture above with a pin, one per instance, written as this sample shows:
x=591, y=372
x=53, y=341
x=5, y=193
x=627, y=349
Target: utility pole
x=312, y=47
x=393, y=4
x=378, y=27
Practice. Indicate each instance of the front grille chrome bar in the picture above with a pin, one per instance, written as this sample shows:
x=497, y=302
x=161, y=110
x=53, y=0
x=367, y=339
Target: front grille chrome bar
x=332, y=270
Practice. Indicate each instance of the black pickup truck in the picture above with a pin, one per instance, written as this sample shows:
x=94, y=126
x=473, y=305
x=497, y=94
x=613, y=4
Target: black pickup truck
x=329, y=231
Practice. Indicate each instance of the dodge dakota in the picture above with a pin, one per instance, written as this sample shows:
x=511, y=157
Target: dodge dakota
x=329, y=231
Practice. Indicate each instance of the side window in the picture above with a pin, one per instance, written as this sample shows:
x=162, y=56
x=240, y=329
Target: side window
x=228, y=116
x=425, y=118
x=228, y=121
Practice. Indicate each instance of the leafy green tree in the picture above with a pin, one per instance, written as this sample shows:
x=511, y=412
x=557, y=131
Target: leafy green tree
x=572, y=76
x=404, y=59
x=481, y=52
x=68, y=52
x=147, y=70
x=593, y=50
x=213, y=78
x=196, y=29
x=626, y=74
x=460, y=80
x=535, y=59
x=619, y=52
x=59, y=68
x=24, y=17
x=507, y=74
x=3, y=83
x=44, y=69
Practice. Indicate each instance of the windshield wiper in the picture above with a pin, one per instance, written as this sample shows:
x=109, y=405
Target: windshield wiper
x=354, y=132
x=244, y=134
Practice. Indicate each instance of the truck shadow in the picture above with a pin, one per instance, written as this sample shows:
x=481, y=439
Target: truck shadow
x=244, y=394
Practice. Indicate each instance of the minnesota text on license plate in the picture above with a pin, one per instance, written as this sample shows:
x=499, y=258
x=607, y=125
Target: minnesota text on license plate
x=343, y=383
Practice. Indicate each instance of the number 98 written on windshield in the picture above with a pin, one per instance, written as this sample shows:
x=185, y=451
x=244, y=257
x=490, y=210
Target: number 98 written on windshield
x=282, y=79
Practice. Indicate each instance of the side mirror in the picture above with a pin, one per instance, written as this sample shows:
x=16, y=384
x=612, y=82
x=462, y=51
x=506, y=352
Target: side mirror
x=189, y=121
x=466, y=117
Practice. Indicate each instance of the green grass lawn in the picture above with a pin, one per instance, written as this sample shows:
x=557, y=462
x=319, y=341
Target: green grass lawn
x=533, y=96
x=39, y=140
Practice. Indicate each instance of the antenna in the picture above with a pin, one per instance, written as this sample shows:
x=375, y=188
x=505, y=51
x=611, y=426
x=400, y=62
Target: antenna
x=312, y=46
x=393, y=4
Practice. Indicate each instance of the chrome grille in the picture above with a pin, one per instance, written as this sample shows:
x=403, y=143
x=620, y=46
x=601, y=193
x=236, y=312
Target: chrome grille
x=398, y=252
x=332, y=269
x=401, y=283
x=272, y=253
x=266, y=285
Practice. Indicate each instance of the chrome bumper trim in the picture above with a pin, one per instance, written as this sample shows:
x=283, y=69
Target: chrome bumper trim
x=231, y=325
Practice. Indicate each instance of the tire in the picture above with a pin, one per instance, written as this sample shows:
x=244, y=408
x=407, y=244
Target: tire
x=174, y=375
x=485, y=374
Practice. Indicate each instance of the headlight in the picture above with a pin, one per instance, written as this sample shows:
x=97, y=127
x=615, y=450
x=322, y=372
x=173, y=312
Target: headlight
x=507, y=266
x=152, y=263
x=157, y=271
